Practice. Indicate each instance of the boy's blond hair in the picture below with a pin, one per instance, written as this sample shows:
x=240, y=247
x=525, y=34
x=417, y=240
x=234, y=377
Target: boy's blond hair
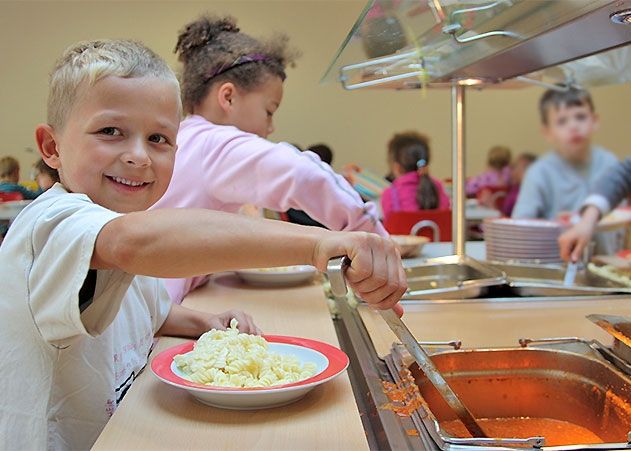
x=91, y=61
x=8, y=166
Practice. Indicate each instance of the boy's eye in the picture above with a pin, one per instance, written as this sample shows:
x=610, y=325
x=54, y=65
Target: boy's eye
x=111, y=131
x=270, y=114
x=158, y=139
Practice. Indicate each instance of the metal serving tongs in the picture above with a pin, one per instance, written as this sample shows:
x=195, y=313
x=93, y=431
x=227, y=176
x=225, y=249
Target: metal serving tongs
x=335, y=271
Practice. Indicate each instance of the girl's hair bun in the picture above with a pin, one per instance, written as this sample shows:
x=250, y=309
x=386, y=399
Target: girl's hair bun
x=196, y=35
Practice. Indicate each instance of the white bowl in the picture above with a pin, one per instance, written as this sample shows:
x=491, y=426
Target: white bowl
x=282, y=276
x=410, y=245
x=330, y=362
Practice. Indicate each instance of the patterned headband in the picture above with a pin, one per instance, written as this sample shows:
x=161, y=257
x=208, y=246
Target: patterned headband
x=240, y=61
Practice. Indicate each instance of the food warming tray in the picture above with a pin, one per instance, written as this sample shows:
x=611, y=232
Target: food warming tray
x=565, y=379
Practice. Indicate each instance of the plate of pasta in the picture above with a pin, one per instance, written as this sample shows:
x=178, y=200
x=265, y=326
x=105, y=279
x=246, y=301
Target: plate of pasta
x=280, y=276
x=233, y=370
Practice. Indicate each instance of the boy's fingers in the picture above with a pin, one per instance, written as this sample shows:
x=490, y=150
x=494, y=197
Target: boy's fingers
x=391, y=285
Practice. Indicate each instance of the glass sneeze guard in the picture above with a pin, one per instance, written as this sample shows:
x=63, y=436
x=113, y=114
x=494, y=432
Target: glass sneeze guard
x=406, y=43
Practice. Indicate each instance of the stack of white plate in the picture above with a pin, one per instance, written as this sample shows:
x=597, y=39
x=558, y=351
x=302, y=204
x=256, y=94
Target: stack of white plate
x=529, y=240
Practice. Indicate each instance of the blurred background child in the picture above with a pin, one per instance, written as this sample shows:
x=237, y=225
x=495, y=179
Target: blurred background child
x=10, y=176
x=497, y=173
x=559, y=182
x=518, y=171
x=413, y=188
x=232, y=84
x=45, y=176
x=298, y=216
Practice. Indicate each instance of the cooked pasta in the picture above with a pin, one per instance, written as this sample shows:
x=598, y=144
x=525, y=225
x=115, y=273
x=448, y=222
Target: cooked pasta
x=232, y=359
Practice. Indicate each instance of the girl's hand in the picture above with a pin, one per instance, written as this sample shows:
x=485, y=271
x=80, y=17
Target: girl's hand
x=572, y=242
x=375, y=274
x=222, y=321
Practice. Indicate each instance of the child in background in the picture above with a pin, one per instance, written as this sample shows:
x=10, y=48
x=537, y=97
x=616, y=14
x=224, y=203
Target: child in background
x=497, y=174
x=518, y=171
x=560, y=181
x=323, y=151
x=298, y=216
x=80, y=303
x=10, y=176
x=232, y=85
x=608, y=193
x=45, y=176
x=413, y=188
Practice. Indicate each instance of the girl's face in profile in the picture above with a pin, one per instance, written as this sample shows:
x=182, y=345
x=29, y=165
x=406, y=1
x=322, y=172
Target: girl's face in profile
x=253, y=111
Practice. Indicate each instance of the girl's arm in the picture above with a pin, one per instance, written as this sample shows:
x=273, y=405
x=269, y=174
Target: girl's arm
x=187, y=242
x=244, y=168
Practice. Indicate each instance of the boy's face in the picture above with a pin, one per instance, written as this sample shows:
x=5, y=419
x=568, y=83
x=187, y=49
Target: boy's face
x=569, y=130
x=253, y=111
x=118, y=143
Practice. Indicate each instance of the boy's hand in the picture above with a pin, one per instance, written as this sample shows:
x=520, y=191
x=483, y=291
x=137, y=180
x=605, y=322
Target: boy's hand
x=375, y=274
x=222, y=321
x=573, y=242
x=185, y=322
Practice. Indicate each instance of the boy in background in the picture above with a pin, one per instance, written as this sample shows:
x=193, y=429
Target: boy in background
x=559, y=181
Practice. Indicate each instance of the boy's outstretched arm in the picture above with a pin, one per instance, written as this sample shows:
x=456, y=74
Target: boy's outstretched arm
x=187, y=242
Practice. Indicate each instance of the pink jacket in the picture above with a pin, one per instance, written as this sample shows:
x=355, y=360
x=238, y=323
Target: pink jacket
x=401, y=195
x=221, y=168
x=490, y=178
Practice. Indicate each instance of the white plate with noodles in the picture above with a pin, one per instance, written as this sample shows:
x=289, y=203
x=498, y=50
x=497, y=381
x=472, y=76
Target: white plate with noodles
x=280, y=276
x=230, y=370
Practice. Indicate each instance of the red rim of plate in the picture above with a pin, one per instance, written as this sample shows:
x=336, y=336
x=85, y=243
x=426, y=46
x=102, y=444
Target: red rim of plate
x=338, y=362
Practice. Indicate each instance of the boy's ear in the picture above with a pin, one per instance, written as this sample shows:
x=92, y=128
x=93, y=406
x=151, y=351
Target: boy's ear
x=225, y=96
x=47, y=145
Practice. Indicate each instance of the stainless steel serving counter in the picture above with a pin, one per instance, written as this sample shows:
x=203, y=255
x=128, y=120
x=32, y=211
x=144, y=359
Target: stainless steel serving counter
x=491, y=322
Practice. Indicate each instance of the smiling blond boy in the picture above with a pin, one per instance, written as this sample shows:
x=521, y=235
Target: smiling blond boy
x=80, y=304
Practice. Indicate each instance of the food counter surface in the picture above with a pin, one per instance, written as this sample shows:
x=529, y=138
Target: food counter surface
x=490, y=323
x=154, y=415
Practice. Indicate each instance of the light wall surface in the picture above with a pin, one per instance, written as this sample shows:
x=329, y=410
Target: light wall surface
x=357, y=125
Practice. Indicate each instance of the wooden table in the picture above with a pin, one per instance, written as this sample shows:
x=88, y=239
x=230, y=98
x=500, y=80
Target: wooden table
x=155, y=416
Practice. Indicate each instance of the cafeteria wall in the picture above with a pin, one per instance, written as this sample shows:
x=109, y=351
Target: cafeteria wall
x=356, y=124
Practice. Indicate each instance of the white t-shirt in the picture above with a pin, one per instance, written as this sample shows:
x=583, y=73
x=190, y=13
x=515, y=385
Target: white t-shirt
x=63, y=371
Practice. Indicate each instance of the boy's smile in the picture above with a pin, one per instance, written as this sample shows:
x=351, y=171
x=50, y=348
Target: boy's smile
x=118, y=142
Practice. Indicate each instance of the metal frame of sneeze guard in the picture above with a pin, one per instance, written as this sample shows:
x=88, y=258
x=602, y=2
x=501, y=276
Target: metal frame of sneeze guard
x=412, y=57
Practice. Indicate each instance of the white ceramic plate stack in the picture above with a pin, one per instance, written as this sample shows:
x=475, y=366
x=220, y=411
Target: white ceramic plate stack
x=525, y=240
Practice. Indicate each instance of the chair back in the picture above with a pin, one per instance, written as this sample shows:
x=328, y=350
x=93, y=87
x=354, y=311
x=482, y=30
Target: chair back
x=10, y=196
x=434, y=224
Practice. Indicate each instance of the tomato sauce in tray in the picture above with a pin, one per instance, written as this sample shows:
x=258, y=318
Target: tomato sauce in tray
x=556, y=432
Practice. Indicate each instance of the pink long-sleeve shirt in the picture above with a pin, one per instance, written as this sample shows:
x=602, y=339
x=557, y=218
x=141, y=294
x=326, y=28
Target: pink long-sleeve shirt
x=401, y=195
x=220, y=167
